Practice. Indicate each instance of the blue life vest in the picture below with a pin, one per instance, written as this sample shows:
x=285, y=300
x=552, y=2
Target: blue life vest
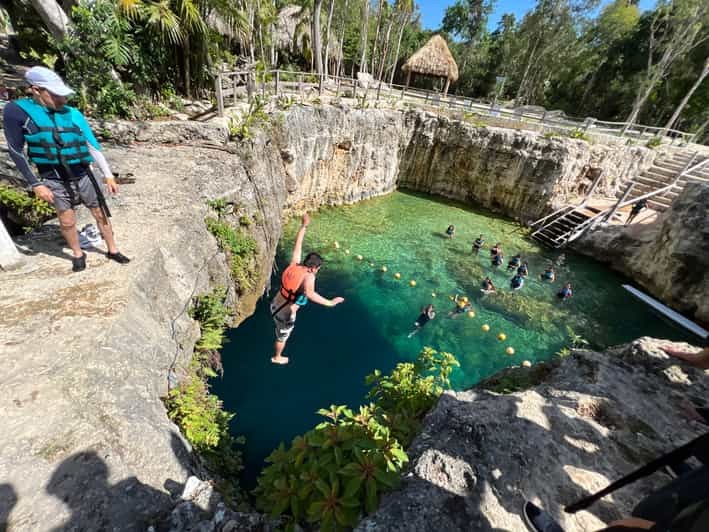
x=59, y=140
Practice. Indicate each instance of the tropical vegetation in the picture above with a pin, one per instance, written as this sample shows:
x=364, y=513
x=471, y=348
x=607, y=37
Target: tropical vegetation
x=606, y=59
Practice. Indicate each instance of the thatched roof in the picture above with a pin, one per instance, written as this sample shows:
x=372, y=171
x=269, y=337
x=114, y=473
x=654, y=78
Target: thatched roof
x=433, y=59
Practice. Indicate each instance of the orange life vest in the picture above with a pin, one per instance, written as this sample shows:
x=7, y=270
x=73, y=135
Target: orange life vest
x=292, y=282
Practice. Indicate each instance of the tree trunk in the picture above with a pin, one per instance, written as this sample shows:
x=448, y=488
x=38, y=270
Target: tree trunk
x=518, y=97
x=315, y=36
x=342, y=39
x=398, y=48
x=53, y=17
x=376, y=35
x=686, y=98
x=385, y=49
x=186, y=65
x=327, y=37
x=365, y=32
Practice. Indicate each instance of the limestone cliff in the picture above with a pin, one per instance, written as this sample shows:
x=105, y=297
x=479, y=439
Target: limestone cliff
x=87, y=357
x=669, y=258
x=587, y=420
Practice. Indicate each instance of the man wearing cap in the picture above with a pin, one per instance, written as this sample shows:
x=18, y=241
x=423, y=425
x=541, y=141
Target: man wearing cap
x=61, y=145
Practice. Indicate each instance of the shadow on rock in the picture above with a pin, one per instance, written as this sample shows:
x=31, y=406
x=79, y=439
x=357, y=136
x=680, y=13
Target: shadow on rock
x=81, y=482
x=8, y=499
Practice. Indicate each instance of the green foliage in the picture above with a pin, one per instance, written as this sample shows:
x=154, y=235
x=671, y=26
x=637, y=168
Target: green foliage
x=654, y=142
x=285, y=102
x=239, y=246
x=578, y=134
x=551, y=134
x=30, y=208
x=575, y=342
x=191, y=405
x=411, y=390
x=333, y=473
x=242, y=128
x=517, y=379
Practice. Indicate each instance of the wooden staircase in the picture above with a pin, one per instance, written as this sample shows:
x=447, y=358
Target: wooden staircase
x=664, y=172
x=659, y=185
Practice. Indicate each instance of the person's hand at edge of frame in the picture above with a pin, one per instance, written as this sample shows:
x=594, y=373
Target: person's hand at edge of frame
x=112, y=185
x=43, y=193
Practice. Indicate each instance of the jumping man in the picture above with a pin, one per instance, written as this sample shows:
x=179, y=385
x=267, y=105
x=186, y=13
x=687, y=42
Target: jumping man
x=61, y=145
x=297, y=288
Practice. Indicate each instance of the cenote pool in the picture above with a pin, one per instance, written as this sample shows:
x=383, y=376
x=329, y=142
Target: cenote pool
x=332, y=349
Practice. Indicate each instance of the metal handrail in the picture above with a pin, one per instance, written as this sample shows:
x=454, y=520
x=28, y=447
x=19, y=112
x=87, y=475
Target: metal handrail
x=565, y=207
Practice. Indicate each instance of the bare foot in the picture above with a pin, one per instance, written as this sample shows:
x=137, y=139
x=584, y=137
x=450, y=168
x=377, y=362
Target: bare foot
x=279, y=360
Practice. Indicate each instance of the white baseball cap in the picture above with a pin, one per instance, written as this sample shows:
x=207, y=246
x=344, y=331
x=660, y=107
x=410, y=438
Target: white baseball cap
x=47, y=79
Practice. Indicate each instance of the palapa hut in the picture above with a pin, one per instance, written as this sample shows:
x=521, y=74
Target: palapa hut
x=433, y=59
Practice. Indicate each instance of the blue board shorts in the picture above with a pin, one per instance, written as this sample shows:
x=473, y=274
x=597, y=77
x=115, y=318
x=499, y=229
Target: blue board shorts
x=69, y=194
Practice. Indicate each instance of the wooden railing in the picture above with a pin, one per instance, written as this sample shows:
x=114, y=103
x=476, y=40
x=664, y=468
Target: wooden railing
x=273, y=83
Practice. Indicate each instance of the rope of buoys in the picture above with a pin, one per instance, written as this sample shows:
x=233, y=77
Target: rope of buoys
x=510, y=351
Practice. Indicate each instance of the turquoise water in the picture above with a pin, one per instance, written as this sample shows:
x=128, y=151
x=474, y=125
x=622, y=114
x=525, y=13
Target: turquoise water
x=332, y=349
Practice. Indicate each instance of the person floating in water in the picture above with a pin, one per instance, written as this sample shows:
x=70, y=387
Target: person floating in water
x=524, y=269
x=478, y=244
x=462, y=305
x=495, y=250
x=565, y=293
x=427, y=314
x=637, y=207
x=498, y=259
x=298, y=287
x=517, y=282
x=514, y=262
x=450, y=231
x=549, y=274
x=488, y=287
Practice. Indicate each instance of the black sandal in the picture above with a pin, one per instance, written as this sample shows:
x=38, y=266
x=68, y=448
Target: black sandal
x=119, y=257
x=78, y=264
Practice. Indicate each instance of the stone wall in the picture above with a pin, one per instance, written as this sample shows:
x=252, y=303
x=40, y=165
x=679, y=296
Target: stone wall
x=669, y=258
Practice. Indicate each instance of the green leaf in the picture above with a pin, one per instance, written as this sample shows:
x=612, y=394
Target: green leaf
x=323, y=488
x=352, y=487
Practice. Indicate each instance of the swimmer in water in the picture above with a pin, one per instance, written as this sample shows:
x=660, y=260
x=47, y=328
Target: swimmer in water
x=517, y=282
x=427, y=314
x=478, y=244
x=565, y=293
x=549, y=274
x=514, y=262
x=462, y=305
x=498, y=259
x=488, y=287
x=450, y=231
x=523, y=270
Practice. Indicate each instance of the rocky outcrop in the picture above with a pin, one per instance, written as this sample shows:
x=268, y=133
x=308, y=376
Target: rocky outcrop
x=87, y=357
x=587, y=420
x=669, y=258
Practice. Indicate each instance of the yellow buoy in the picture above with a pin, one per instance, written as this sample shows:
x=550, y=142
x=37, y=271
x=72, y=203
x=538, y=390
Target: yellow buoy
x=360, y=257
x=471, y=314
x=412, y=282
x=502, y=337
x=486, y=327
x=451, y=298
x=433, y=294
x=464, y=299
x=347, y=252
x=527, y=364
x=461, y=304
x=510, y=351
x=397, y=275
x=385, y=269
x=371, y=264
x=337, y=245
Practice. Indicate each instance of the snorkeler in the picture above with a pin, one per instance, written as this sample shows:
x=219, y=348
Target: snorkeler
x=514, y=262
x=462, y=305
x=495, y=250
x=498, y=259
x=549, y=274
x=450, y=231
x=565, y=293
x=524, y=269
x=488, y=287
x=478, y=244
x=427, y=314
x=517, y=282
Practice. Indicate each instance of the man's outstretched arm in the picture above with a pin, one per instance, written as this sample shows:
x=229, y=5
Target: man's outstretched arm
x=313, y=296
x=298, y=247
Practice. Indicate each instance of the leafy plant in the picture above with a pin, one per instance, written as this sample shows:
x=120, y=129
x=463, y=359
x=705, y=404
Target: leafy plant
x=285, y=102
x=333, y=473
x=579, y=134
x=654, y=142
x=199, y=413
x=242, y=128
x=31, y=209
